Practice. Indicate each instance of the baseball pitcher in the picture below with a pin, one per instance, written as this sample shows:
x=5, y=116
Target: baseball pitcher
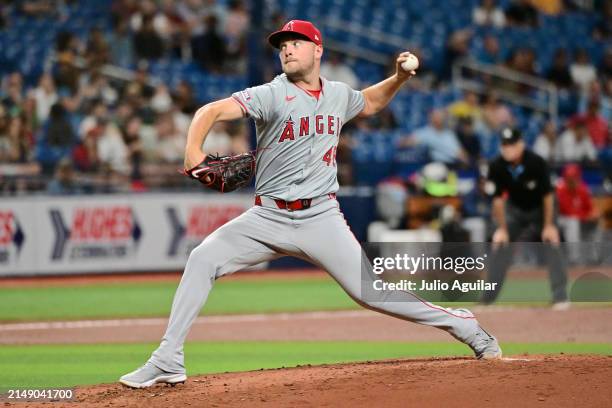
x=299, y=117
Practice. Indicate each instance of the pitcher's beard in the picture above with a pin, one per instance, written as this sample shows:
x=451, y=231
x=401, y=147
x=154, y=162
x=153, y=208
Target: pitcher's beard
x=300, y=74
x=294, y=76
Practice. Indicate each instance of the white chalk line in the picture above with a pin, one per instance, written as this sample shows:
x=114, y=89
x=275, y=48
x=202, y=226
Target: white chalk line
x=83, y=324
x=257, y=317
x=518, y=359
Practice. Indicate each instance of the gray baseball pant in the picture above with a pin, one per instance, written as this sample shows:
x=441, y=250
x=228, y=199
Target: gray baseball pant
x=318, y=234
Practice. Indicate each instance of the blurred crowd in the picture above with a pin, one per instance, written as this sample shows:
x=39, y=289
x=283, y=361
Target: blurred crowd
x=465, y=132
x=92, y=132
x=95, y=133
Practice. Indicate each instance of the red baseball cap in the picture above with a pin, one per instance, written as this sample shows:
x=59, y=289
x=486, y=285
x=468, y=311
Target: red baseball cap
x=572, y=172
x=303, y=28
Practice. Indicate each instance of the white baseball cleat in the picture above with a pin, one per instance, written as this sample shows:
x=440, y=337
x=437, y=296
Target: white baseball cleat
x=484, y=345
x=149, y=375
x=561, y=306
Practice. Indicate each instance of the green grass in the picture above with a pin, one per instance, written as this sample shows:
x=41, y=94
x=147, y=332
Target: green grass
x=69, y=365
x=155, y=299
x=124, y=300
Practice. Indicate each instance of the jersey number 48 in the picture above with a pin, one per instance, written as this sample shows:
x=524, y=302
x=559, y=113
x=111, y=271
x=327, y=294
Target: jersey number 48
x=330, y=156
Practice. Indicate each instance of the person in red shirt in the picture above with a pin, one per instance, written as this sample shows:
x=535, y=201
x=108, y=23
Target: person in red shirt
x=596, y=124
x=577, y=214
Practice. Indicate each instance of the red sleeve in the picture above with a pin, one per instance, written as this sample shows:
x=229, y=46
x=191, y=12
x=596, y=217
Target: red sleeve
x=565, y=201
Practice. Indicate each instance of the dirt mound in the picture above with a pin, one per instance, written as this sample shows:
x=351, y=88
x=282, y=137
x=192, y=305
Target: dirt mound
x=543, y=381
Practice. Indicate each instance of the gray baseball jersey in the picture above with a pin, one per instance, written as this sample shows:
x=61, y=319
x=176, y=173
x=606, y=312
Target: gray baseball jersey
x=297, y=135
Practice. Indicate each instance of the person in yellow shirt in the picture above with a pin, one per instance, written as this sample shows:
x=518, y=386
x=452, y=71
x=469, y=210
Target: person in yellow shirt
x=468, y=107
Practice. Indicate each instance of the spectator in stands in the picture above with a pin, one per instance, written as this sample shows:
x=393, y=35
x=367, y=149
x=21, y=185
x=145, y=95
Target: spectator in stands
x=578, y=217
x=65, y=72
x=235, y=29
x=467, y=107
x=147, y=42
x=490, y=53
x=496, y=114
x=559, y=72
x=148, y=9
x=521, y=60
x=12, y=88
x=466, y=132
x=521, y=13
x=335, y=69
x=4, y=11
x=123, y=8
x=170, y=143
x=161, y=101
x=45, y=96
x=550, y=7
x=57, y=139
x=181, y=119
x=139, y=90
x=218, y=140
x=209, y=49
x=174, y=30
x=28, y=112
x=344, y=159
x=97, y=51
x=488, y=14
x=64, y=181
x=457, y=47
x=596, y=95
x=112, y=149
x=133, y=141
x=441, y=142
x=606, y=100
x=383, y=120
x=94, y=87
x=596, y=124
x=122, y=50
x=97, y=118
x=582, y=70
x=23, y=137
x=606, y=65
x=184, y=98
x=7, y=149
x=239, y=134
x=15, y=142
x=85, y=154
x=575, y=145
x=603, y=28
x=193, y=13
x=546, y=144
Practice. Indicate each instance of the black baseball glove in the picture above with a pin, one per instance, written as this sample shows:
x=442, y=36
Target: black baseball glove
x=224, y=173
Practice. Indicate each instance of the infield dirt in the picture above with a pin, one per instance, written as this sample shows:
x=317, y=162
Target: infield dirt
x=521, y=381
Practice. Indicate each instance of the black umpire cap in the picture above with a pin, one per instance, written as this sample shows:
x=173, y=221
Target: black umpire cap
x=510, y=136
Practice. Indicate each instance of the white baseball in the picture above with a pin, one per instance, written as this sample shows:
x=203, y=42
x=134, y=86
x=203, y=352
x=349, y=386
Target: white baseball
x=411, y=63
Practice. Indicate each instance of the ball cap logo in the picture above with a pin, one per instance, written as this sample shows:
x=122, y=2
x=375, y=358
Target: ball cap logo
x=303, y=28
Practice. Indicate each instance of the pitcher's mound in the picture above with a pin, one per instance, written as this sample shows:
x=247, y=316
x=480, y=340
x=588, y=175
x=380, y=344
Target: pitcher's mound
x=518, y=381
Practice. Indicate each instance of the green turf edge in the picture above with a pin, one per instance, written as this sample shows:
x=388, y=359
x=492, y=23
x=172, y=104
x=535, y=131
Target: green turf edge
x=39, y=366
x=129, y=300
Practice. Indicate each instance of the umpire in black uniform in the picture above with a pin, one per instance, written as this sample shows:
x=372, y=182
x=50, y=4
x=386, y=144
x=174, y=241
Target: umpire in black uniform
x=523, y=210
